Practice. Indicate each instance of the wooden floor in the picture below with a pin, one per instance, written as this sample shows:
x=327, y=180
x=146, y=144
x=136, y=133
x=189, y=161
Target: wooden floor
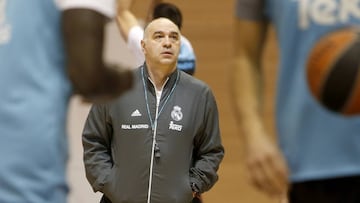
x=208, y=25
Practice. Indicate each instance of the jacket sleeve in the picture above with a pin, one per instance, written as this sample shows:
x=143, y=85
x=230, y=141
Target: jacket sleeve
x=208, y=149
x=96, y=140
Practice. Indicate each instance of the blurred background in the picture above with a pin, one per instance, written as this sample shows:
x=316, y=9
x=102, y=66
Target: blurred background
x=208, y=25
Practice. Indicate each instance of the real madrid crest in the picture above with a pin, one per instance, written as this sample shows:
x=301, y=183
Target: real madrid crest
x=176, y=113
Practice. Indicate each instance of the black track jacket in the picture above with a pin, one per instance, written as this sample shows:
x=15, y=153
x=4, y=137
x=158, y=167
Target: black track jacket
x=132, y=157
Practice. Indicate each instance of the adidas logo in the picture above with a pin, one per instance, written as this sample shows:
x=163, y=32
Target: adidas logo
x=136, y=113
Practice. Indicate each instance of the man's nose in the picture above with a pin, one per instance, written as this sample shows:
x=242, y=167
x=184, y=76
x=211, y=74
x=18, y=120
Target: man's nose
x=167, y=42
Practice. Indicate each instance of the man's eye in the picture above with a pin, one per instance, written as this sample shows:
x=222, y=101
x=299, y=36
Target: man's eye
x=174, y=37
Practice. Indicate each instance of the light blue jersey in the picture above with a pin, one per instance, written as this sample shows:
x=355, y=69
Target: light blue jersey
x=186, y=60
x=33, y=105
x=317, y=143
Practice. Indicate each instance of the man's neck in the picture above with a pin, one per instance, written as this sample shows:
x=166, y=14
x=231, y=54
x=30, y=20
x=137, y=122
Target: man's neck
x=159, y=75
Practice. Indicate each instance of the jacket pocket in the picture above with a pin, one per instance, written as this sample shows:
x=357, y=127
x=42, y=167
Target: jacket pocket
x=189, y=190
x=110, y=184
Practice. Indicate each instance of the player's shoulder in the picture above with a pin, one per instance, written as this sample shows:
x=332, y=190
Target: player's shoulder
x=186, y=48
x=187, y=58
x=185, y=42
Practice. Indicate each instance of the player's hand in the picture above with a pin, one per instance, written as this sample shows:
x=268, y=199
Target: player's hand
x=266, y=166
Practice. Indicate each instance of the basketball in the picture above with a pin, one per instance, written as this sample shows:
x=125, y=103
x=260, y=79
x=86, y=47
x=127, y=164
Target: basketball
x=333, y=71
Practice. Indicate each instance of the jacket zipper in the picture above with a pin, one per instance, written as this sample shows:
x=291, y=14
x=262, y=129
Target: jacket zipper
x=153, y=150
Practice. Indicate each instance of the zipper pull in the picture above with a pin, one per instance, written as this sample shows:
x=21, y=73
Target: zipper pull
x=157, y=150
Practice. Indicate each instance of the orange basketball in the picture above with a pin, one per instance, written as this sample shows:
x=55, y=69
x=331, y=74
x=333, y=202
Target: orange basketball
x=333, y=71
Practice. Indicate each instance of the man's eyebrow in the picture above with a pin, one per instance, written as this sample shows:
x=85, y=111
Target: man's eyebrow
x=174, y=32
x=162, y=32
x=158, y=32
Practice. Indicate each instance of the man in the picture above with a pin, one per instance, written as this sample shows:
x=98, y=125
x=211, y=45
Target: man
x=35, y=89
x=163, y=147
x=320, y=148
x=132, y=31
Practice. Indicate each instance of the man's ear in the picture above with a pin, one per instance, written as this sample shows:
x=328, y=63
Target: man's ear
x=143, y=46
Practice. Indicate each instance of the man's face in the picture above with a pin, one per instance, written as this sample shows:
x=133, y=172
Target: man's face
x=161, y=42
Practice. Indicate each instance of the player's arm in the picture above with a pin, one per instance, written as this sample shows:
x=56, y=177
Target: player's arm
x=83, y=31
x=247, y=73
x=267, y=168
x=125, y=18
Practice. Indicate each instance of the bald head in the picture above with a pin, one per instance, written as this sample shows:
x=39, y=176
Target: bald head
x=160, y=24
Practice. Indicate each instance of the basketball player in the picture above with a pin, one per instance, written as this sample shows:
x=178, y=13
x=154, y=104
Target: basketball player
x=132, y=31
x=162, y=147
x=319, y=156
x=35, y=89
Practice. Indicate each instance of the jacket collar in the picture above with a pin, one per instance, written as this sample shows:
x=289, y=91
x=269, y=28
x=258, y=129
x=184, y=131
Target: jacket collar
x=168, y=85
